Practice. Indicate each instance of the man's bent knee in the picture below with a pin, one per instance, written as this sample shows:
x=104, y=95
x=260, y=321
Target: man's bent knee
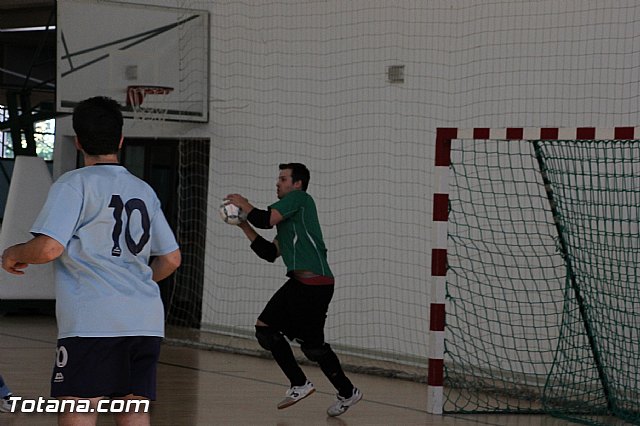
x=315, y=352
x=268, y=337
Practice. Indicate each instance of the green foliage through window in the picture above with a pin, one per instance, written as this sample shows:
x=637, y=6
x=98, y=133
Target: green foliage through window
x=44, y=133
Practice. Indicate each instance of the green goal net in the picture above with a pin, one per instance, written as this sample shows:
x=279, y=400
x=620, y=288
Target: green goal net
x=543, y=299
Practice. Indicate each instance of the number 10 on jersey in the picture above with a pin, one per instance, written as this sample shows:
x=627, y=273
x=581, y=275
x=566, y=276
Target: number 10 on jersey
x=132, y=205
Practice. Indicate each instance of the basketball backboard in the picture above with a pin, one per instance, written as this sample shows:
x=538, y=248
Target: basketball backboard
x=106, y=46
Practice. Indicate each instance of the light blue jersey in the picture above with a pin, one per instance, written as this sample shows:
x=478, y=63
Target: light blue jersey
x=110, y=223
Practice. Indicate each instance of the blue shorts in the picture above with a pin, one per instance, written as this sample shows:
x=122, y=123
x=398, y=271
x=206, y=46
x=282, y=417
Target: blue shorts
x=89, y=367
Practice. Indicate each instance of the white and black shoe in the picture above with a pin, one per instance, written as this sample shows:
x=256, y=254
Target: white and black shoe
x=342, y=404
x=295, y=394
x=6, y=405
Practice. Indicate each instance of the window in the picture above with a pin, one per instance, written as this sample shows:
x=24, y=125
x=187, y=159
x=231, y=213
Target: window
x=44, y=132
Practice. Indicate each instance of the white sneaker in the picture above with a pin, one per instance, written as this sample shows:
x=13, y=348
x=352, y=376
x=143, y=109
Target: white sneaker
x=295, y=394
x=342, y=404
x=5, y=404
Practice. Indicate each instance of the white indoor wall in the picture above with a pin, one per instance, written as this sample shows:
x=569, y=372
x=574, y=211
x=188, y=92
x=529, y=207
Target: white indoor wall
x=305, y=81
x=544, y=64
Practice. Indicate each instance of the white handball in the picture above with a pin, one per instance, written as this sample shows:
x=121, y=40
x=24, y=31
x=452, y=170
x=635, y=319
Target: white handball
x=231, y=214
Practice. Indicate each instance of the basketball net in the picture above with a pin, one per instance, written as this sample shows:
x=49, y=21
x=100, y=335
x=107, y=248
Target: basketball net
x=155, y=108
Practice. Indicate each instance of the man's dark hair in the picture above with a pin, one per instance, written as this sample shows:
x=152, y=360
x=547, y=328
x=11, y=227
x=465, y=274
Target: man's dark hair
x=98, y=125
x=299, y=172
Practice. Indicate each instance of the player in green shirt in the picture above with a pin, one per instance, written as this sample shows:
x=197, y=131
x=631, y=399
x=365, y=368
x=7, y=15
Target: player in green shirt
x=299, y=308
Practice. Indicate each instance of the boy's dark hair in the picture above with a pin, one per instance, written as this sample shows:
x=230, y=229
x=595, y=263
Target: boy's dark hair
x=299, y=172
x=98, y=125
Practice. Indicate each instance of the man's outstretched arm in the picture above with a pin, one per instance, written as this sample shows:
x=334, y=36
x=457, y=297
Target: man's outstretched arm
x=40, y=249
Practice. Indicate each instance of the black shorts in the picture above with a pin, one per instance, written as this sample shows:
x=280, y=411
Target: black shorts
x=89, y=367
x=299, y=310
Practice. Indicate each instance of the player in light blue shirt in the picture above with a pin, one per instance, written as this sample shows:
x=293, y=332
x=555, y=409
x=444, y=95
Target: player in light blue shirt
x=102, y=226
x=110, y=223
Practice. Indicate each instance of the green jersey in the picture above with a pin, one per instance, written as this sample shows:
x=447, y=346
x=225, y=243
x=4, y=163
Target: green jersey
x=299, y=234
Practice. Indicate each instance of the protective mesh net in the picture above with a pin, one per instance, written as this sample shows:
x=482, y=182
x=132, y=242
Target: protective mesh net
x=542, y=283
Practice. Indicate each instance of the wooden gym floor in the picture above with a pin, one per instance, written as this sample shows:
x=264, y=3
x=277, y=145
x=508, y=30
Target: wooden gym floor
x=200, y=387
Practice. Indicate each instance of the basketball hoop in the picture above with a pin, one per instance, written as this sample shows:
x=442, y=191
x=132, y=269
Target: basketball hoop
x=155, y=109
